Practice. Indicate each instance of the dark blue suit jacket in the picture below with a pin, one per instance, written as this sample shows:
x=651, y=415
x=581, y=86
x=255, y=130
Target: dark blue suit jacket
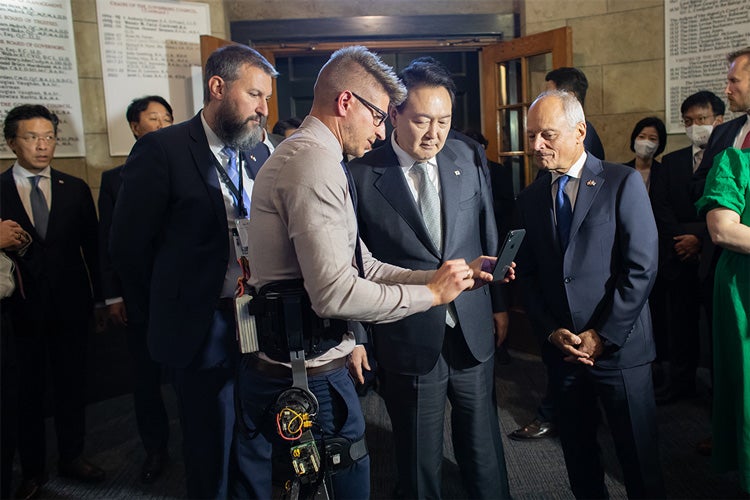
x=108, y=189
x=59, y=271
x=673, y=207
x=603, y=279
x=392, y=227
x=169, y=239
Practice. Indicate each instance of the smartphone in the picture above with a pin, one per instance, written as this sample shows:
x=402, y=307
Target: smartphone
x=507, y=253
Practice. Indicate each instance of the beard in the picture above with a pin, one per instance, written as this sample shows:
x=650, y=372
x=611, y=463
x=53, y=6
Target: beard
x=235, y=131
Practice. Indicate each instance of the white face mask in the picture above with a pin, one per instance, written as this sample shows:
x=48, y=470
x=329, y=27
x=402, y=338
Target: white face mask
x=644, y=148
x=698, y=134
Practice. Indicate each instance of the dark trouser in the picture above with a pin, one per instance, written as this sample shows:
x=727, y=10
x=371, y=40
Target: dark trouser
x=416, y=405
x=205, y=395
x=627, y=397
x=340, y=415
x=685, y=300
x=660, y=318
x=150, y=413
x=547, y=412
x=8, y=401
x=57, y=345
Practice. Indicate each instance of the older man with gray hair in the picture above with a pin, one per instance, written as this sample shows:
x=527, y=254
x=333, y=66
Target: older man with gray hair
x=587, y=266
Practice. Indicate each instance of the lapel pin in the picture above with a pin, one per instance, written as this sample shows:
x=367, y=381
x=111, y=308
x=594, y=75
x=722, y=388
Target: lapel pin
x=253, y=158
x=457, y=172
x=60, y=181
x=591, y=183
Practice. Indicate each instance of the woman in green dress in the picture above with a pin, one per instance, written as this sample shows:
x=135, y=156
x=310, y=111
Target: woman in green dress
x=726, y=203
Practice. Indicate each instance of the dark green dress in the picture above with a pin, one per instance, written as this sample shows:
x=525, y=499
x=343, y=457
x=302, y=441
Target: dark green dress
x=728, y=186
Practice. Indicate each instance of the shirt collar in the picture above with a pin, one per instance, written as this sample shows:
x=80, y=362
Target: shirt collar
x=19, y=171
x=574, y=171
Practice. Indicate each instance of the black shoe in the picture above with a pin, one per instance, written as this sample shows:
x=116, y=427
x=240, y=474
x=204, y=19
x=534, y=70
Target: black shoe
x=81, y=469
x=535, y=430
x=29, y=488
x=154, y=466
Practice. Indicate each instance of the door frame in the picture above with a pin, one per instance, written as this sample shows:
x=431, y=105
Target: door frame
x=492, y=50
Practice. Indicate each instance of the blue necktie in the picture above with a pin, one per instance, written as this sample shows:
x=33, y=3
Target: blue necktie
x=564, y=212
x=234, y=175
x=39, y=208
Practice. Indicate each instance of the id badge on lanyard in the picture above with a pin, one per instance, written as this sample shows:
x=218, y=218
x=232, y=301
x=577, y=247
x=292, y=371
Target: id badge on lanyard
x=247, y=334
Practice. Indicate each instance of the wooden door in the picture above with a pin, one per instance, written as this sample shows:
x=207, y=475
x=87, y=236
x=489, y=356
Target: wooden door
x=512, y=76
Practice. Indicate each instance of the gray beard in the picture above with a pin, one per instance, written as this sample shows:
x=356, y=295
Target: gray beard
x=246, y=140
x=235, y=133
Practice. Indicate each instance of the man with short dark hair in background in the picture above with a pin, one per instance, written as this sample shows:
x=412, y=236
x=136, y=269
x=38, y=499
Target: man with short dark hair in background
x=574, y=80
x=144, y=115
x=682, y=237
x=57, y=270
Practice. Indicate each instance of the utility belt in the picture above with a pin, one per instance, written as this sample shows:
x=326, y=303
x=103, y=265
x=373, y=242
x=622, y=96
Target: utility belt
x=285, y=322
x=279, y=320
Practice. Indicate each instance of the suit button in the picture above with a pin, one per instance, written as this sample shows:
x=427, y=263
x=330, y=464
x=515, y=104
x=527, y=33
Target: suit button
x=567, y=279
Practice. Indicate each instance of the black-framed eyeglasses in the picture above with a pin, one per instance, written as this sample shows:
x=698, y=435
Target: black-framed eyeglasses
x=378, y=116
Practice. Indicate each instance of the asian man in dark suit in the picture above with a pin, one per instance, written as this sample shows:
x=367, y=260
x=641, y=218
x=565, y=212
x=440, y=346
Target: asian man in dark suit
x=144, y=115
x=57, y=271
x=424, y=199
x=682, y=237
x=587, y=266
x=172, y=242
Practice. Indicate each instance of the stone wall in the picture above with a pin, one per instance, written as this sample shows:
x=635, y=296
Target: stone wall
x=618, y=43
x=92, y=92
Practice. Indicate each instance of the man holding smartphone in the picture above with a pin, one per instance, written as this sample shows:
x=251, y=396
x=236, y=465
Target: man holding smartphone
x=424, y=199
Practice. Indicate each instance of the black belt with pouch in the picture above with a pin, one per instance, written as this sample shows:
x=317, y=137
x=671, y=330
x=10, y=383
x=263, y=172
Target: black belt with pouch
x=286, y=322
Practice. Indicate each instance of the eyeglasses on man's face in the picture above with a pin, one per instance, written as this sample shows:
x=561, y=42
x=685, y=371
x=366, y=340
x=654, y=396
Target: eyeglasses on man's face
x=378, y=115
x=35, y=139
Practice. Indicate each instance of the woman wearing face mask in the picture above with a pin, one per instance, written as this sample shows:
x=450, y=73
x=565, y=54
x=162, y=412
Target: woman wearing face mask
x=647, y=141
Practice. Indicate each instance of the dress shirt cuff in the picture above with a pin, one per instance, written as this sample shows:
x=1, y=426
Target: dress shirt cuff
x=113, y=300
